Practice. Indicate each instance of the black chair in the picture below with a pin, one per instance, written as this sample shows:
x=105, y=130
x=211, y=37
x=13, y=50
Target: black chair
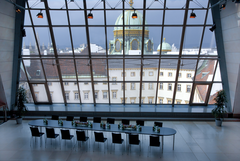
x=125, y=121
x=99, y=138
x=110, y=120
x=97, y=119
x=66, y=135
x=35, y=133
x=159, y=124
x=134, y=140
x=117, y=139
x=81, y=136
x=69, y=118
x=50, y=134
x=55, y=117
x=154, y=141
x=83, y=119
x=140, y=122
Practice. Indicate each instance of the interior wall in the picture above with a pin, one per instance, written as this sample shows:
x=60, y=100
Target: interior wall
x=7, y=30
x=230, y=20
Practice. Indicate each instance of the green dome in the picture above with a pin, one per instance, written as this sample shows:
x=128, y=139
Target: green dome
x=165, y=46
x=130, y=21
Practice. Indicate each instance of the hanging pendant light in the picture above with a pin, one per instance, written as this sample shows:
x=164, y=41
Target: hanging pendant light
x=40, y=15
x=134, y=15
x=193, y=15
x=90, y=15
x=223, y=6
x=18, y=10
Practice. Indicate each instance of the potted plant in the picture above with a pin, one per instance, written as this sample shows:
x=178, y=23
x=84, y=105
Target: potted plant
x=21, y=108
x=219, y=111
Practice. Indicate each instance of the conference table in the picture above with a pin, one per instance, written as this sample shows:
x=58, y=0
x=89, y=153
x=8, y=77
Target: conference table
x=146, y=130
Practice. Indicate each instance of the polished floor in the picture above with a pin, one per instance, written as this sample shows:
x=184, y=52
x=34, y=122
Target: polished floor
x=195, y=141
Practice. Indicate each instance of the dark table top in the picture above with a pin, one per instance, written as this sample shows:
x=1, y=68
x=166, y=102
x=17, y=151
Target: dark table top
x=147, y=130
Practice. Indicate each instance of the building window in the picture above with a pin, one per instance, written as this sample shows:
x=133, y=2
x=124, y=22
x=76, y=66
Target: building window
x=161, y=73
x=66, y=83
x=85, y=83
x=143, y=86
x=150, y=100
x=169, y=86
x=122, y=85
x=179, y=87
x=170, y=74
x=160, y=101
x=96, y=95
x=188, y=88
x=67, y=96
x=160, y=85
x=75, y=83
x=132, y=86
x=114, y=95
x=123, y=74
x=150, y=73
x=186, y=102
x=86, y=95
x=76, y=96
x=49, y=83
x=36, y=96
x=189, y=75
x=179, y=75
x=34, y=84
x=105, y=95
x=38, y=72
x=142, y=101
x=178, y=101
x=132, y=100
x=51, y=95
x=150, y=85
x=142, y=73
x=114, y=79
x=95, y=83
x=104, y=83
x=169, y=101
x=132, y=74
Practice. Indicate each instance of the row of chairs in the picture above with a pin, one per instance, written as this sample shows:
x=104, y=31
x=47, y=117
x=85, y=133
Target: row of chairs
x=109, y=120
x=99, y=137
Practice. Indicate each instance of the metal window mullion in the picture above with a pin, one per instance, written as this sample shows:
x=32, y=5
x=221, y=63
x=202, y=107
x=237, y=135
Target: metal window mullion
x=105, y=24
x=55, y=50
x=159, y=63
x=180, y=51
x=142, y=53
x=124, y=75
x=71, y=39
x=89, y=49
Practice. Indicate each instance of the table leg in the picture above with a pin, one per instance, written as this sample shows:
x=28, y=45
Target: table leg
x=173, y=141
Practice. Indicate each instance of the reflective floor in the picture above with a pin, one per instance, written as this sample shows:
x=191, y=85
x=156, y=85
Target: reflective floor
x=195, y=141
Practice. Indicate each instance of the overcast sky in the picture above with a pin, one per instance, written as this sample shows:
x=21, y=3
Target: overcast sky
x=97, y=34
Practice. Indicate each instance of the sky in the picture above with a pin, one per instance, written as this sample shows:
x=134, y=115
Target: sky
x=97, y=34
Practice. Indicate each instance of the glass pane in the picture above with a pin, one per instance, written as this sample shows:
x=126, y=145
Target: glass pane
x=199, y=19
x=205, y=70
x=76, y=4
x=40, y=92
x=115, y=67
x=168, y=69
x=209, y=42
x=132, y=93
x=86, y=92
x=209, y=18
x=201, y=3
x=71, y=92
x=58, y=4
x=192, y=39
x=99, y=69
x=183, y=93
x=22, y=75
x=34, y=69
x=29, y=43
x=50, y=67
x=132, y=69
x=59, y=17
x=112, y=17
x=215, y=88
x=200, y=93
x=151, y=4
x=151, y=16
x=28, y=92
x=97, y=42
x=111, y=40
x=83, y=69
x=39, y=21
x=33, y=4
x=150, y=69
x=165, y=93
x=218, y=76
x=101, y=92
x=175, y=4
x=67, y=69
x=79, y=40
x=149, y=93
x=62, y=39
x=154, y=41
x=172, y=40
x=174, y=17
x=27, y=20
x=77, y=17
x=187, y=70
x=98, y=17
x=116, y=93
x=55, y=92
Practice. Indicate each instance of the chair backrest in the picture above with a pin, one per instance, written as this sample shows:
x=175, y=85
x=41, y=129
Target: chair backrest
x=65, y=134
x=110, y=120
x=81, y=135
x=154, y=141
x=34, y=131
x=140, y=122
x=97, y=119
x=55, y=117
x=69, y=118
x=133, y=139
x=159, y=124
x=116, y=138
x=99, y=137
x=83, y=119
x=50, y=132
x=125, y=121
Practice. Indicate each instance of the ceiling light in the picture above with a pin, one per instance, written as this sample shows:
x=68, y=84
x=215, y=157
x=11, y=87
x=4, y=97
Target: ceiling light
x=18, y=10
x=134, y=15
x=90, y=16
x=40, y=15
x=213, y=27
x=223, y=6
x=193, y=15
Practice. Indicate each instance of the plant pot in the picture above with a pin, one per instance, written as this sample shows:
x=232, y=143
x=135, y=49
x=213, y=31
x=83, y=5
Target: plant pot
x=19, y=120
x=218, y=122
